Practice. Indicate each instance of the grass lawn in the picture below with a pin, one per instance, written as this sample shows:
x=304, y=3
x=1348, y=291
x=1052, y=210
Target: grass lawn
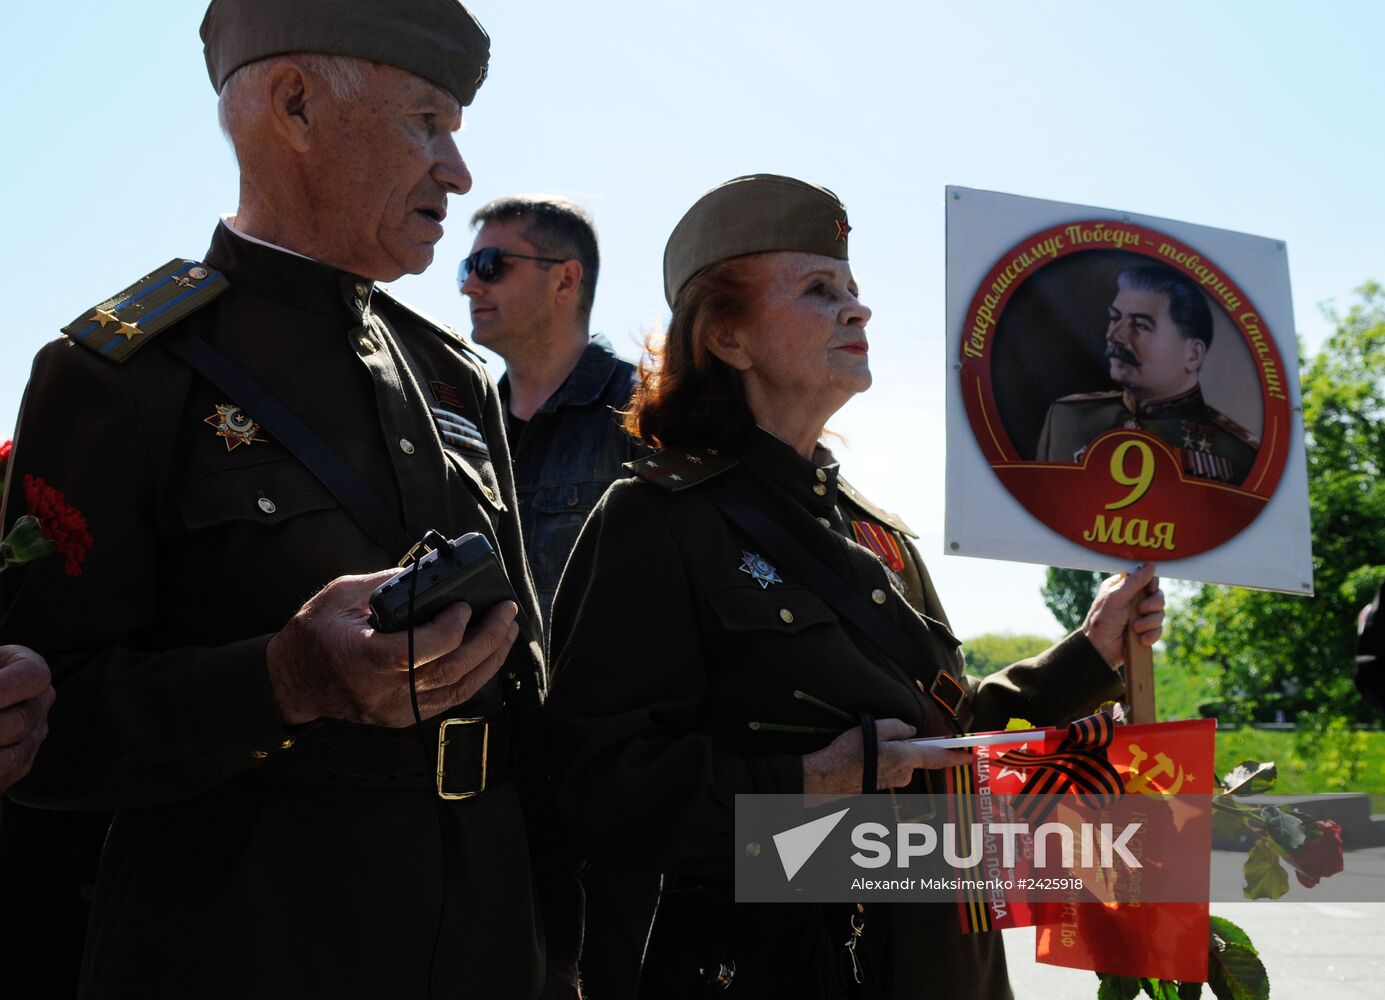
x=1347, y=761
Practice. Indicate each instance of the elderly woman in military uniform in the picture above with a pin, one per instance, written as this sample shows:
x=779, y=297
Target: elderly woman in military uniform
x=737, y=567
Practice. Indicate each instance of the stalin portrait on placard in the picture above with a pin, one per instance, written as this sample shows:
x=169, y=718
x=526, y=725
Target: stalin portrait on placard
x=1159, y=335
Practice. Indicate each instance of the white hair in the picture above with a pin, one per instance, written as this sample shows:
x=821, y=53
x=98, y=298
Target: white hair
x=344, y=77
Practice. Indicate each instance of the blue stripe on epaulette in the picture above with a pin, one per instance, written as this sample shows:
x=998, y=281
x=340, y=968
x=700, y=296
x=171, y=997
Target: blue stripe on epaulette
x=115, y=307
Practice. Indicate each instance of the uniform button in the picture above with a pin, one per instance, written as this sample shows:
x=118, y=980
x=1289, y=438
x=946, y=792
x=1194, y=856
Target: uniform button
x=824, y=522
x=267, y=505
x=367, y=345
x=358, y=303
x=752, y=850
x=786, y=616
x=286, y=745
x=197, y=273
x=361, y=289
x=822, y=476
x=406, y=446
x=877, y=595
x=259, y=754
x=820, y=490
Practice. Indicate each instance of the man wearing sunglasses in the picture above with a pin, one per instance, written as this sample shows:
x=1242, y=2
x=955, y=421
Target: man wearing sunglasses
x=530, y=282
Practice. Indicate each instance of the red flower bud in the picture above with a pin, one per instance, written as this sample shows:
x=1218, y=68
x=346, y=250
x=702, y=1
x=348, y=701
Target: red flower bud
x=1320, y=855
x=63, y=524
x=5, y=450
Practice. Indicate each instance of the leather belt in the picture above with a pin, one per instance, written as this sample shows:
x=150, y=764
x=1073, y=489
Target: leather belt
x=467, y=755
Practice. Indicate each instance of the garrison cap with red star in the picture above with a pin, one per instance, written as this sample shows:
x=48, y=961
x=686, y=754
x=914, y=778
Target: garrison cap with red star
x=757, y=213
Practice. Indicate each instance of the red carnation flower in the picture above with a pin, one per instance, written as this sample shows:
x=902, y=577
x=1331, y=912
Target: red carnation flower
x=5, y=450
x=62, y=523
x=1320, y=855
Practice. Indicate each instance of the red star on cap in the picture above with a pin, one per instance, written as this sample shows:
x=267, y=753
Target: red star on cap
x=842, y=229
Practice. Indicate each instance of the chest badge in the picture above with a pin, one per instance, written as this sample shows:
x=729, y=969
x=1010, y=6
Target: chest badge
x=881, y=541
x=459, y=432
x=234, y=426
x=759, y=569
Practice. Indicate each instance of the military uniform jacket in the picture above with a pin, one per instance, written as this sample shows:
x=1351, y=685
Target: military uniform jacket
x=245, y=860
x=673, y=631
x=1207, y=443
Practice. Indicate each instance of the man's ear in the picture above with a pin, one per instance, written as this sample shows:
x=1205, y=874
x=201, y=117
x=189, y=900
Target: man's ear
x=293, y=101
x=1195, y=354
x=569, y=287
x=729, y=346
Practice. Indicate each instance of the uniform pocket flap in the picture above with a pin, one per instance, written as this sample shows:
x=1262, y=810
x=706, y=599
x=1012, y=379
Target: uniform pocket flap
x=267, y=492
x=778, y=608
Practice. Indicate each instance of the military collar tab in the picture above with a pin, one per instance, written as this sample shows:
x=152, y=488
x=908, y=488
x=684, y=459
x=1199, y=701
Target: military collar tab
x=879, y=513
x=125, y=322
x=444, y=331
x=676, y=469
x=1184, y=404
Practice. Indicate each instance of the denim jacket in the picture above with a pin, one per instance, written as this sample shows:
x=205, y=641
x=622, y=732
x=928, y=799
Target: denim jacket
x=566, y=455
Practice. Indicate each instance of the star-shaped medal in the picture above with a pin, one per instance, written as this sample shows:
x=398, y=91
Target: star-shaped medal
x=103, y=316
x=842, y=229
x=759, y=569
x=234, y=426
x=129, y=330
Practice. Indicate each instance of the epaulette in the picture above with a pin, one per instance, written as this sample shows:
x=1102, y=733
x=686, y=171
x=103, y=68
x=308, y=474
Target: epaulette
x=449, y=333
x=1233, y=428
x=883, y=516
x=1088, y=397
x=675, y=469
x=128, y=320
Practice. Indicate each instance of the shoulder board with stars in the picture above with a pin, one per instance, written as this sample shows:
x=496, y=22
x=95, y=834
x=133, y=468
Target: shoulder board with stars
x=675, y=469
x=1233, y=428
x=881, y=515
x=121, y=325
x=442, y=329
x=1088, y=397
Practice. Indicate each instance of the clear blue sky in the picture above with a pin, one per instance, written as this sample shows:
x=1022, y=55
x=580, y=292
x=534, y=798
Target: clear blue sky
x=1260, y=118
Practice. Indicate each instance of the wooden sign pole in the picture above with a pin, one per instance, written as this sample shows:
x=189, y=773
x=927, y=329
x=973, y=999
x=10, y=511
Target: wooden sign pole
x=1139, y=675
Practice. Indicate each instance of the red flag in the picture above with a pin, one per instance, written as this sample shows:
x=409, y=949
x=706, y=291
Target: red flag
x=1154, y=940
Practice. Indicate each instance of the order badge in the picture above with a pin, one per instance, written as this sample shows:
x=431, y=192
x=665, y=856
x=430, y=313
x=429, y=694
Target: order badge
x=1125, y=390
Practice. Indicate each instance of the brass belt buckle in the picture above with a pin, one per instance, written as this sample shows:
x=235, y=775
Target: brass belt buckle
x=442, y=747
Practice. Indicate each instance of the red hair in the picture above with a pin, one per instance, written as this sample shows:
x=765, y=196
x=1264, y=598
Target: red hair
x=687, y=396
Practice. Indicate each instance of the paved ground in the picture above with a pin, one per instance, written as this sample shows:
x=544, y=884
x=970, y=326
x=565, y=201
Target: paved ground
x=1312, y=950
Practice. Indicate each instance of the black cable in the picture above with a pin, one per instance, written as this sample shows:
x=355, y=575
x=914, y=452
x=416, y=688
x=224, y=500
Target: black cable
x=423, y=742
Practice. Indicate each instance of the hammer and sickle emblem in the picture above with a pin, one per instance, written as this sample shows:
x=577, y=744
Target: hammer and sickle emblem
x=1139, y=781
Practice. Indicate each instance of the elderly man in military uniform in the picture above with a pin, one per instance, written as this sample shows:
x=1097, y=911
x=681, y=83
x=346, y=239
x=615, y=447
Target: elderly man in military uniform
x=254, y=439
x=1157, y=338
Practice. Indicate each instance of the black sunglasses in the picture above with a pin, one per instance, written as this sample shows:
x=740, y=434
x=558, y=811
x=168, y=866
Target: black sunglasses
x=488, y=264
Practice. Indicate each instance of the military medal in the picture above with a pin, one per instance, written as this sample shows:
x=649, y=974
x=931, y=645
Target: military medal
x=759, y=569
x=881, y=541
x=458, y=431
x=232, y=424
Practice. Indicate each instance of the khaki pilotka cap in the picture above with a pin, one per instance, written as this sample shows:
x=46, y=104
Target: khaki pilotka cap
x=754, y=214
x=437, y=40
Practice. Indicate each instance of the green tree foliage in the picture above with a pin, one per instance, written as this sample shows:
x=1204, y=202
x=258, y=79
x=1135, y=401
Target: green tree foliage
x=1068, y=594
x=990, y=652
x=1280, y=653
